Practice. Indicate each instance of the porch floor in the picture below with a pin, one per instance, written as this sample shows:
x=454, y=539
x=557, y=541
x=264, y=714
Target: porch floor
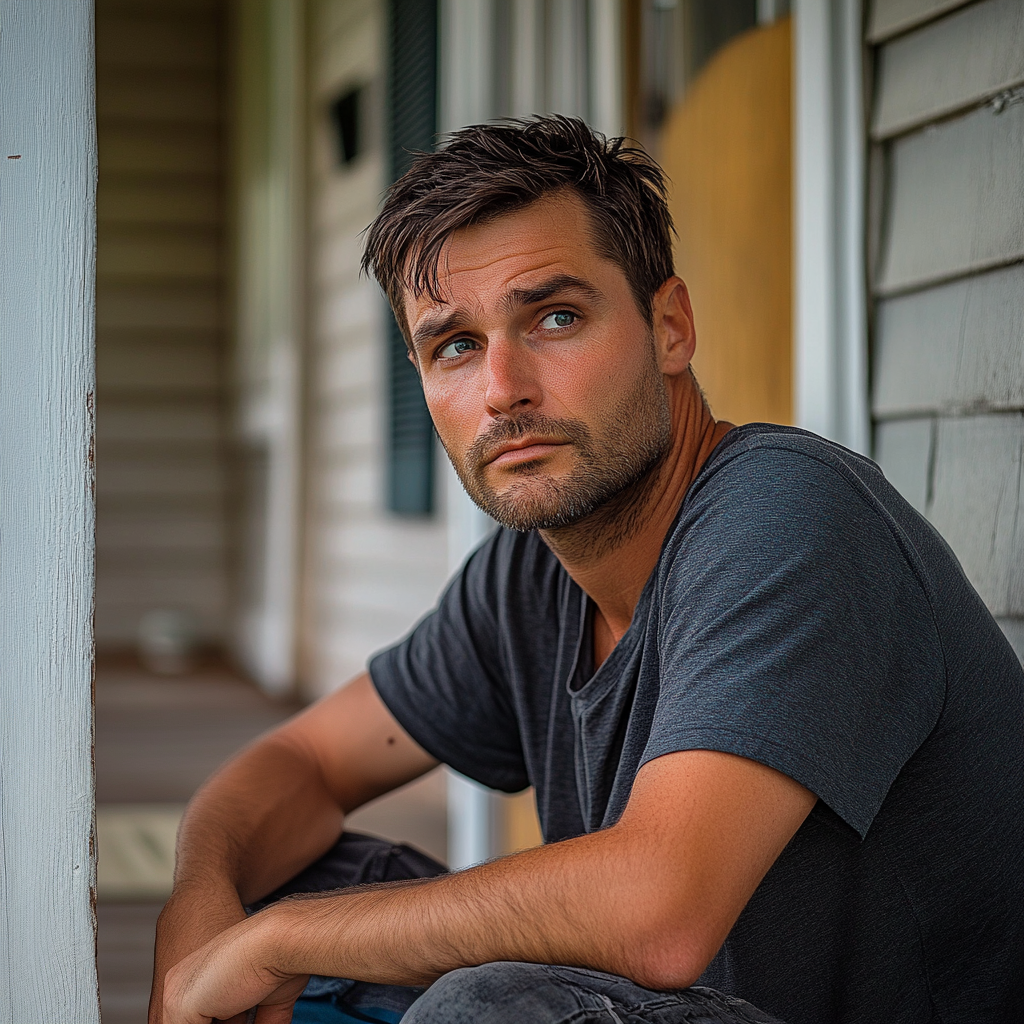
x=157, y=739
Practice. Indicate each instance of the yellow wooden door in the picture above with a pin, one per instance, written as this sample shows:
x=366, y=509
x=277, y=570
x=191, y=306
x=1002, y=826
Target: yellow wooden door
x=726, y=148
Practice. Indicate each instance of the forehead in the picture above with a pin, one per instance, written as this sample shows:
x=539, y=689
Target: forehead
x=551, y=236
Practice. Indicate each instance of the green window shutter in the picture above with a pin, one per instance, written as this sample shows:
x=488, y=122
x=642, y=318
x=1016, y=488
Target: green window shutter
x=412, y=126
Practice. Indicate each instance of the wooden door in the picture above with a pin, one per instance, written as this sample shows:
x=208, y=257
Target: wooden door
x=726, y=146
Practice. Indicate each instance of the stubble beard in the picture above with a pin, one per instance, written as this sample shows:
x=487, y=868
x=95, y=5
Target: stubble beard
x=607, y=487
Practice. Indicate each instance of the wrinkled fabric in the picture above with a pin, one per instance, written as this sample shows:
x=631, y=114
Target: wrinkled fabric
x=516, y=993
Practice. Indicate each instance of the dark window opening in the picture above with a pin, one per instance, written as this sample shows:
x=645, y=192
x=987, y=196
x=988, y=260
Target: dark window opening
x=346, y=118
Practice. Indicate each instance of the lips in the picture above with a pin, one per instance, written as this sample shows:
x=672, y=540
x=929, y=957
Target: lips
x=524, y=450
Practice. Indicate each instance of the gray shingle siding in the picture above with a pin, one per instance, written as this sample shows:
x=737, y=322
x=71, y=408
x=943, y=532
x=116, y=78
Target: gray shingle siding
x=948, y=326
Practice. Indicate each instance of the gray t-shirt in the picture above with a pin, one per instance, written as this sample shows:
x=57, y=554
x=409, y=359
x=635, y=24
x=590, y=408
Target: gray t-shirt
x=802, y=615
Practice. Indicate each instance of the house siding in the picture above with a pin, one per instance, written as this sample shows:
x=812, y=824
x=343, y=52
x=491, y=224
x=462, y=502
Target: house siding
x=369, y=574
x=161, y=481
x=948, y=282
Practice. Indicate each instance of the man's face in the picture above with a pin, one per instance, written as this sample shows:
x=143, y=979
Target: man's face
x=538, y=369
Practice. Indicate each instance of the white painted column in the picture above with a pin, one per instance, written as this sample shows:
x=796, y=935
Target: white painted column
x=47, y=388
x=467, y=97
x=527, y=86
x=269, y=176
x=830, y=353
x=605, y=67
x=466, y=63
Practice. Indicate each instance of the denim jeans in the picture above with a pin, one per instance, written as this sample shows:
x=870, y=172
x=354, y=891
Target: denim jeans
x=498, y=993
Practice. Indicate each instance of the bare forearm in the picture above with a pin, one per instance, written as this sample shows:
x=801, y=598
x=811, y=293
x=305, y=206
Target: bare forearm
x=651, y=898
x=576, y=903
x=583, y=902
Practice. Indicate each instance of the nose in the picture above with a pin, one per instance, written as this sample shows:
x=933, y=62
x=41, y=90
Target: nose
x=512, y=384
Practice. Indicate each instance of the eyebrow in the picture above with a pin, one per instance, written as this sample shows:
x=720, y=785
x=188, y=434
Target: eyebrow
x=519, y=297
x=437, y=324
x=440, y=323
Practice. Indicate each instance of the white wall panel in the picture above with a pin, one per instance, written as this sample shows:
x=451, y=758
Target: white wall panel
x=890, y=17
x=976, y=501
x=956, y=199
x=172, y=420
x=1014, y=630
x=142, y=364
x=359, y=595
x=955, y=347
x=949, y=65
x=166, y=254
x=165, y=149
x=158, y=305
x=903, y=448
x=160, y=346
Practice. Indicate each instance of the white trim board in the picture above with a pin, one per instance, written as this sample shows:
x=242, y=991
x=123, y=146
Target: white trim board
x=47, y=309
x=830, y=351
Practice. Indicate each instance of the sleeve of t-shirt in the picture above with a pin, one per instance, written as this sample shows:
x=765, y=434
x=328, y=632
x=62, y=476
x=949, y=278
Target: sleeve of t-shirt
x=795, y=632
x=445, y=682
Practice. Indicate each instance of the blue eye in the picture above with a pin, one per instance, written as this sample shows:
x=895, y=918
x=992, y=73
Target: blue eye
x=456, y=348
x=559, y=319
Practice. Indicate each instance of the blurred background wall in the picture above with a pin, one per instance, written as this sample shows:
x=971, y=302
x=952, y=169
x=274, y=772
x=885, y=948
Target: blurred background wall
x=162, y=489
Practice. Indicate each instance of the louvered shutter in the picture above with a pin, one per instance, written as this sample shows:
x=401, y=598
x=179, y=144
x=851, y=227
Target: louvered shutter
x=412, y=124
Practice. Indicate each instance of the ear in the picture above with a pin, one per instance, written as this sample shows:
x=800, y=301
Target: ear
x=675, y=338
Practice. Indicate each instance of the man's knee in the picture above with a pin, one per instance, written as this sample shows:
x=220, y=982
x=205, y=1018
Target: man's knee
x=498, y=993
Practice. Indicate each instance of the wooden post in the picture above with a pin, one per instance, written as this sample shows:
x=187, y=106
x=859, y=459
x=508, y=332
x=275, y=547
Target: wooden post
x=47, y=270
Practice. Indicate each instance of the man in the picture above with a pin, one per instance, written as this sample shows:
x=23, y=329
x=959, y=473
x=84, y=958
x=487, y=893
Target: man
x=775, y=736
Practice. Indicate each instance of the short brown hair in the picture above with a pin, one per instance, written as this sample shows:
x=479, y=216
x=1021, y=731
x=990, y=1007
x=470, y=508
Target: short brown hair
x=488, y=170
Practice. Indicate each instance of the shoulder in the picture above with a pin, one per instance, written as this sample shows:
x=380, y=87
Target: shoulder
x=766, y=478
x=789, y=463
x=771, y=497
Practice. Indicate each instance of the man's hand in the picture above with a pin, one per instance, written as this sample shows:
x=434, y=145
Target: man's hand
x=273, y=809
x=191, y=917
x=227, y=977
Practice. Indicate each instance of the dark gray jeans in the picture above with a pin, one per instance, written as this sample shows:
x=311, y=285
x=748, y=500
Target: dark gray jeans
x=498, y=993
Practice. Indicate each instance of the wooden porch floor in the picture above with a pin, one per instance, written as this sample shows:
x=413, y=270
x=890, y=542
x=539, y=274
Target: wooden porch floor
x=157, y=739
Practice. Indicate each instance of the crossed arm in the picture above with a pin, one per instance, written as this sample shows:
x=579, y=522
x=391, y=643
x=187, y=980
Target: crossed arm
x=651, y=898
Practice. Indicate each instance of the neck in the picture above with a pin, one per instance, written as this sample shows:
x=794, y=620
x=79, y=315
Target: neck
x=612, y=552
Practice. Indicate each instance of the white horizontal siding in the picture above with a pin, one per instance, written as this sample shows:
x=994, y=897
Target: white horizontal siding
x=138, y=364
x=145, y=35
x=949, y=65
x=956, y=347
x=890, y=17
x=174, y=420
x=956, y=199
x=948, y=358
x=369, y=575
x=976, y=502
x=161, y=478
x=147, y=251
x=159, y=305
x=903, y=448
x=964, y=473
